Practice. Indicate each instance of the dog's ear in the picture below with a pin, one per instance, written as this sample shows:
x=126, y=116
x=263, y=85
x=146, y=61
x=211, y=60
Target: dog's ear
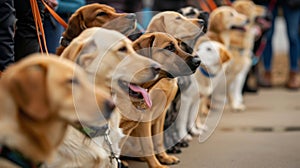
x=143, y=45
x=215, y=22
x=29, y=90
x=76, y=25
x=225, y=55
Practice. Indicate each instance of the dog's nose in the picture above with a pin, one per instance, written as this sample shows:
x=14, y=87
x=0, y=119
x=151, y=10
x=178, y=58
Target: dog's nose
x=131, y=16
x=201, y=22
x=109, y=107
x=155, y=68
x=196, y=61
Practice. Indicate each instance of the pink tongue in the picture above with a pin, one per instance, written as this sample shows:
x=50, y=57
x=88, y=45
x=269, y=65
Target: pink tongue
x=143, y=92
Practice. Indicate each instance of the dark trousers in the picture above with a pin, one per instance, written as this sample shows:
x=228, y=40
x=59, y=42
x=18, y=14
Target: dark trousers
x=20, y=39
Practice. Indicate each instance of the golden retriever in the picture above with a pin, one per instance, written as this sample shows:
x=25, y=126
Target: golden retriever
x=241, y=46
x=96, y=15
x=113, y=65
x=176, y=59
x=38, y=102
x=185, y=29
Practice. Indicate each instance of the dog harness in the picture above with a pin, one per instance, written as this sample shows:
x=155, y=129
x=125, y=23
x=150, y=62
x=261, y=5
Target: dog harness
x=205, y=73
x=17, y=158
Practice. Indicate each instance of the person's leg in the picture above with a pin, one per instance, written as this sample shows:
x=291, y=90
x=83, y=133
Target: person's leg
x=291, y=16
x=7, y=19
x=53, y=32
x=267, y=55
x=26, y=41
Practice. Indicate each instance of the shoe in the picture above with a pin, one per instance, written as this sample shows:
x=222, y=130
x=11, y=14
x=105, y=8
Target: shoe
x=292, y=82
x=174, y=150
x=266, y=80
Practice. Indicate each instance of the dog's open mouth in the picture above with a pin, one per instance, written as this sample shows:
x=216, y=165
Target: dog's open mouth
x=139, y=95
x=240, y=28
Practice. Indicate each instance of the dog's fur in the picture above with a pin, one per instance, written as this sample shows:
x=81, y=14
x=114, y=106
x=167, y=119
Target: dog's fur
x=241, y=46
x=97, y=15
x=108, y=62
x=185, y=29
x=176, y=59
x=215, y=58
x=37, y=104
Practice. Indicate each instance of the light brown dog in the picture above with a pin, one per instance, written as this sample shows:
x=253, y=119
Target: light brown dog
x=185, y=29
x=176, y=59
x=113, y=65
x=96, y=15
x=241, y=46
x=221, y=21
x=38, y=102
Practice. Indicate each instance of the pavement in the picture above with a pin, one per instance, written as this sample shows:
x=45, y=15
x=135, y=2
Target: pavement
x=266, y=135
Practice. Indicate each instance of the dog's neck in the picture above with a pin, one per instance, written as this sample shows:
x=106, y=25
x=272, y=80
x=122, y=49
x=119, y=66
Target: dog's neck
x=222, y=37
x=30, y=140
x=17, y=158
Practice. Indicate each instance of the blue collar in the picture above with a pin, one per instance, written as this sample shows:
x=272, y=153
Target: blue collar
x=205, y=73
x=17, y=158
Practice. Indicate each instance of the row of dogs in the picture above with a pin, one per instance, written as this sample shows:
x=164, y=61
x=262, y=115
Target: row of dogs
x=106, y=95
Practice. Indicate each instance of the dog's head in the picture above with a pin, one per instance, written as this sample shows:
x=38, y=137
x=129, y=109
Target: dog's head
x=192, y=12
x=177, y=25
x=249, y=9
x=99, y=15
x=112, y=63
x=213, y=55
x=226, y=18
x=48, y=94
x=173, y=54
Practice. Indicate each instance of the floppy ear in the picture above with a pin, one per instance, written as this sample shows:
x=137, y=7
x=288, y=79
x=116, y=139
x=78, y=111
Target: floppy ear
x=29, y=90
x=72, y=51
x=225, y=55
x=76, y=25
x=215, y=22
x=143, y=45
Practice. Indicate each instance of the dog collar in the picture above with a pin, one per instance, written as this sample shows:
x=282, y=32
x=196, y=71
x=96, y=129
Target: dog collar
x=205, y=73
x=64, y=42
x=17, y=158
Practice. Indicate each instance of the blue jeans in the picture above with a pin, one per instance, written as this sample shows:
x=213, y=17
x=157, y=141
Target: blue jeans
x=53, y=32
x=292, y=18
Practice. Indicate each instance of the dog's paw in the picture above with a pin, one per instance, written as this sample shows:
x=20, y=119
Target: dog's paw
x=188, y=138
x=238, y=107
x=168, y=159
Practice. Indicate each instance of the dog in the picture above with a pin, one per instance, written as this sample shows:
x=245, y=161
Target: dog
x=113, y=65
x=221, y=21
x=96, y=15
x=192, y=12
x=186, y=29
x=241, y=46
x=37, y=103
x=176, y=59
x=215, y=58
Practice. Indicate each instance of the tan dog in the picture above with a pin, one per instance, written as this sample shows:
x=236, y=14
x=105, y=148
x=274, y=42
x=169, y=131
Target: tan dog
x=176, y=59
x=96, y=15
x=185, y=29
x=221, y=21
x=112, y=64
x=241, y=46
x=37, y=104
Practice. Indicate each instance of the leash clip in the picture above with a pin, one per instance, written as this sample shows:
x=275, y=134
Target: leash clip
x=112, y=153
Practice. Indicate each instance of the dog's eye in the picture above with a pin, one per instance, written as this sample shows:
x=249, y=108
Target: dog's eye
x=74, y=81
x=122, y=49
x=208, y=49
x=178, y=17
x=102, y=14
x=170, y=47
